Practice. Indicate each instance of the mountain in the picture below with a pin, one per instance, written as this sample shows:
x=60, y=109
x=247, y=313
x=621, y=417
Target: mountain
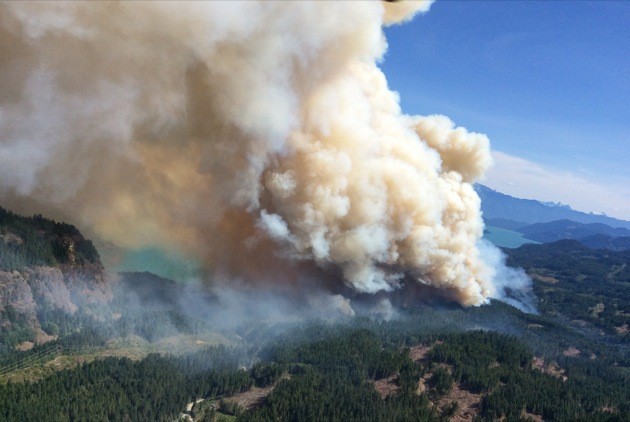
x=49, y=272
x=602, y=241
x=567, y=229
x=496, y=205
x=146, y=290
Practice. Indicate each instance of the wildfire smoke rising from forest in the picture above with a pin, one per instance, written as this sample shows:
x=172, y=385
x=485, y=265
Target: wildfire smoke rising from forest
x=261, y=137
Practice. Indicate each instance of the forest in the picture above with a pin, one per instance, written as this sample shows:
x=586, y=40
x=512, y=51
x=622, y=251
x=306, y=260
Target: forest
x=31, y=241
x=432, y=362
x=323, y=371
x=579, y=283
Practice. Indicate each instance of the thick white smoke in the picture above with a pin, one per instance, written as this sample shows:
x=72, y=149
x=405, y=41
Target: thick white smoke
x=511, y=285
x=259, y=136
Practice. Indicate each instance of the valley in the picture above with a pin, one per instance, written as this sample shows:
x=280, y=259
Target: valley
x=136, y=353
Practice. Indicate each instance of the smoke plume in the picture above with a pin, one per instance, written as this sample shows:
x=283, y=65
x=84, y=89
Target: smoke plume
x=259, y=137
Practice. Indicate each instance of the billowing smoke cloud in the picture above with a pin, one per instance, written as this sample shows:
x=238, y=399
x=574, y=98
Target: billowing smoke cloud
x=260, y=137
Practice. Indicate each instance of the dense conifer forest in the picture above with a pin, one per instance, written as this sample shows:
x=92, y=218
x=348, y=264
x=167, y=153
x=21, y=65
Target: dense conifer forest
x=430, y=362
x=328, y=372
x=583, y=285
x=31, y=241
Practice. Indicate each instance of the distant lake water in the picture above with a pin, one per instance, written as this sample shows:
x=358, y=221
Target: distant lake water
x=505, y=238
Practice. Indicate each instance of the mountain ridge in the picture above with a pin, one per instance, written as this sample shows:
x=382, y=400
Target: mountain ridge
x=568, y=229
x=496, y=205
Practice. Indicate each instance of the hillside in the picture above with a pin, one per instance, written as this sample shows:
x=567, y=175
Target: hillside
x=48, y=273
x=149, y=353
x=430, y=365
x=602, y=241
x=38, y=241
x=587, y=287
x=496, y=205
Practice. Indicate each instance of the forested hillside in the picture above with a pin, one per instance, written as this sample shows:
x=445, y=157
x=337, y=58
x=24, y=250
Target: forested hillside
x=586, y=286
x=602, y=241
x=38, y=241
x=363, y=370
x=142, y=355
x=51, y=280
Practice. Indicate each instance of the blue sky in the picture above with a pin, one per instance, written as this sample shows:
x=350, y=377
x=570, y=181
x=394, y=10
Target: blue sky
x=548, y=82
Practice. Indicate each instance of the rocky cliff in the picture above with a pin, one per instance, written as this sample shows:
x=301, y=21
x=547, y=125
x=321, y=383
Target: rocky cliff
x=49, y=273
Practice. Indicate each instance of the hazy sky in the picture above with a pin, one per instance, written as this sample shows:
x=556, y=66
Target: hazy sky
x=548, y=82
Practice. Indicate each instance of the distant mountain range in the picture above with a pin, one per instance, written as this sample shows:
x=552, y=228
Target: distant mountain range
x=567, y=229
x=496, y=205
x=511, y=222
